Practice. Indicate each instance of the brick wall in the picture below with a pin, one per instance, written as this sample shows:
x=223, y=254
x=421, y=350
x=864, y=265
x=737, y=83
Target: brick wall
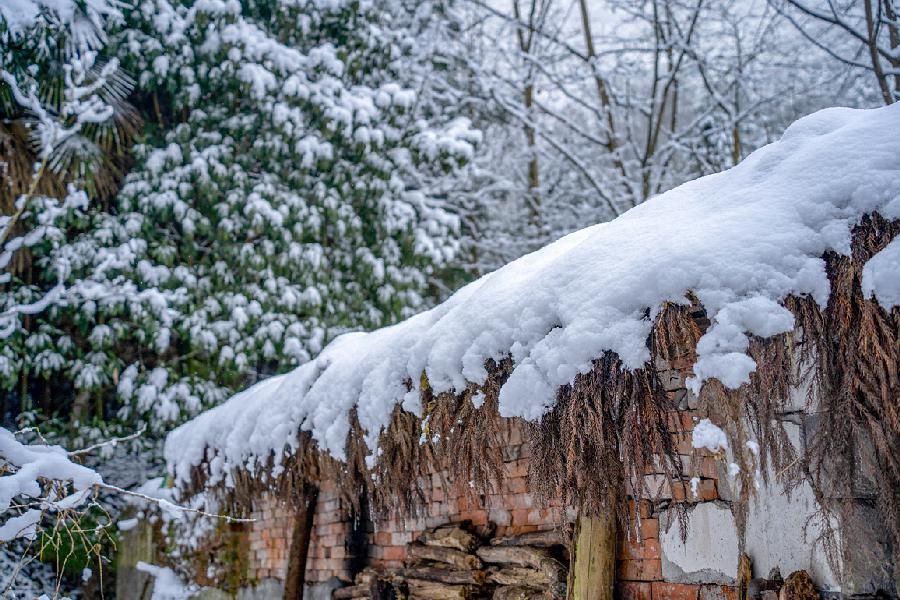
x=512, y=509
x=270, y=538
x=639, y=573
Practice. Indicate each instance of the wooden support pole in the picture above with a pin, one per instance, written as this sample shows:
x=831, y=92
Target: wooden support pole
x=594, y=558
x=300, y=538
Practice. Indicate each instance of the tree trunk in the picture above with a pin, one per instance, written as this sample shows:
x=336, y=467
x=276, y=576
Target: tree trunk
x=593, y=571
x=526, y=39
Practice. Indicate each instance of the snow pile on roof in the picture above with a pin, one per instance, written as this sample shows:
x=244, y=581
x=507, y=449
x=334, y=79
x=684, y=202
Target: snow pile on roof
x=881, y=276
x=741, y=241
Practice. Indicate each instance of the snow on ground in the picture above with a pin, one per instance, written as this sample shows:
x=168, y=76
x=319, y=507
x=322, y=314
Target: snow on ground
x=741, y=240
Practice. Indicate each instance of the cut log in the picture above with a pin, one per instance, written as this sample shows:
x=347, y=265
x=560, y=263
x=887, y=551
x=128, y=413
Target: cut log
x=469, y=577
x=367, y=575
x=350, y=592
x=542, y=539
x=450, y=536
x=431, y=590
x=513, y=592
x=521, y=577
x=594, y=568
x=449, y=556
x=523, y=556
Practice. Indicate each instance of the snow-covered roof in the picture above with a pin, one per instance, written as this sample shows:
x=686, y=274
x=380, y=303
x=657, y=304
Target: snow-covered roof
x=740, y=241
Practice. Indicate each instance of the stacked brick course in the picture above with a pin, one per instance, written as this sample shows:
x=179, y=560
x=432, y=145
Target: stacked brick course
x=270, y=538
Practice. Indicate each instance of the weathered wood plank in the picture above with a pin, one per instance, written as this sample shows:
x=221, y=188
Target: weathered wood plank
x=593, y=572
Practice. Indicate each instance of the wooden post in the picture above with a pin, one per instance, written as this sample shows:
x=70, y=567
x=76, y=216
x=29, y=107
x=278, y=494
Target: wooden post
x=300, y=538
x=136, y=545
x=593, y=570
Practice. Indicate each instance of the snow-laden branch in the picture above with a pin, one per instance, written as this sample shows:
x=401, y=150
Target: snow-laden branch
x=39, y=481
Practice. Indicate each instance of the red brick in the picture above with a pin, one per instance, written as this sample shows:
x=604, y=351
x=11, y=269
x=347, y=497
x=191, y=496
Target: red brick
x=632, y=550
x=649, y=529
x=518, y=468
x=709, y=467
x=478, y=517
x=338, y=529
x=633, y=590
x=394, y=553
x=681, y=420
x=537, y=517
x=515, y=435
x=517, y=485
x=681, y=492
x=628, y=550
x=522, y=501
x=520, y=516
x=644, y=508
x=382, y=538
x=639, y=570
x=650, y=549
x=674, y=591
x=683, y=443
x=707, y=490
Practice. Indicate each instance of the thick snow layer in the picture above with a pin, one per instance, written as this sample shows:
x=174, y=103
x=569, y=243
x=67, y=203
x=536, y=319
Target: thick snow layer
x=166, y=583
x=741, y=240
x=709, y=436
x=881, y=276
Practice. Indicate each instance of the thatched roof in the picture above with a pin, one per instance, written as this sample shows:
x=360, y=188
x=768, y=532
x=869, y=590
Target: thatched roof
x=722, y=270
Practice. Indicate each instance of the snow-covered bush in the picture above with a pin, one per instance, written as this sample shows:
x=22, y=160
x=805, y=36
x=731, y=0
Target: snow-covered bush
x=291, y=194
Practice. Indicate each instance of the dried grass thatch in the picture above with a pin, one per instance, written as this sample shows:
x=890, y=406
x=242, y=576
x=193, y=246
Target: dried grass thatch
x=612, y=425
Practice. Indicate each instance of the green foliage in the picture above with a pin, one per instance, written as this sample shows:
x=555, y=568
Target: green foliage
x=78, y=542
x=286, y=194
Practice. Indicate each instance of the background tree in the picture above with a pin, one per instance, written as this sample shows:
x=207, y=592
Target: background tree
x=862, y=35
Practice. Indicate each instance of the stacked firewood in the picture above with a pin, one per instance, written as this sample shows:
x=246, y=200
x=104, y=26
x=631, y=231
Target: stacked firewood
x=450, y=562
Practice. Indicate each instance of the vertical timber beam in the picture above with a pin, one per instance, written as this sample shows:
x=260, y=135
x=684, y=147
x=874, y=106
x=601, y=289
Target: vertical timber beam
x=300, y=538
x=593, y=570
